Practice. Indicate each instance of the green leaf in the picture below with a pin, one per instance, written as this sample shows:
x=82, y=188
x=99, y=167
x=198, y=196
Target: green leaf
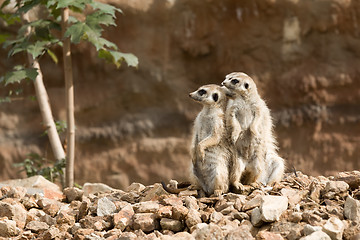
x=96, y=18
x=28, y=5
x=105, y=8
x=37, y=49
x=117, y=57
x=53, y=56
x=75, y=32
x=81, y=4
x=19, y=74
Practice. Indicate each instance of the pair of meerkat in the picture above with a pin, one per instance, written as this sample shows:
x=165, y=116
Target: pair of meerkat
x=213, y=161
x=251, y=132
x=232, y=139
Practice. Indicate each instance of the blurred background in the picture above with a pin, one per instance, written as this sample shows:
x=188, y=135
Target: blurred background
x=134, y=125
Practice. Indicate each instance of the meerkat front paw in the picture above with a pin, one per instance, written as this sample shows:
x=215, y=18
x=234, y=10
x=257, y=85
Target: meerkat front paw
x=217, y=193
x=202, y=153
x=254, y=131
x=238, y=187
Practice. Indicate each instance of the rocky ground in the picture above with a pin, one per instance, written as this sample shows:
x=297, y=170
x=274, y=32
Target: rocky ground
x=300, y=207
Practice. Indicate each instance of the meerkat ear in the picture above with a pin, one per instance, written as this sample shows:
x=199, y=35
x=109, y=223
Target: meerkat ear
x=215, y=96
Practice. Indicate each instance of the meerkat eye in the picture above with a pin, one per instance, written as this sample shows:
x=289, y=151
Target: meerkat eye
x=234, y=81
x=201, y=92
x=215, y=96
x=246, y=85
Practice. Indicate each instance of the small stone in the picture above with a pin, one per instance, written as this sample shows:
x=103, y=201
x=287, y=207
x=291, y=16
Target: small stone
x=51, y=233
x=240, y=215
x=65, y=218
x=191, y=203
x=193, y=217
x=8, y=228
x=36, y=226
x=97, y=223
x=240, y=233
x=334, y=227
x=256, y=217
x=15, y=211
x=29, y=202
x=123, y=218
x=13, y=192
x=352, y=209
x=311, y=218
x=73, y=193
x=127, y=236
x=318, y=235
x=263, y=235
x=146, y=207
x=164, y=212
x=137, y=187
x=105, y=207
x=172, y=201
x=295, y=217
x=239, y=202
x=334, y=188
x=272, y=207
x=84, y=208
x=178, y=236
x=82, y=232
x=208, y=231
x=171, y=224
x=222, y=204
x=308, y=229
x=153, y=193
x=179, y=212
x=253, y=203
x=145, y=221
x=216, y=217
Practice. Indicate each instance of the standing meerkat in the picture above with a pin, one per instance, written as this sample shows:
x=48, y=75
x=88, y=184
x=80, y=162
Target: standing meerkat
x=211, y=152
x=252, y=132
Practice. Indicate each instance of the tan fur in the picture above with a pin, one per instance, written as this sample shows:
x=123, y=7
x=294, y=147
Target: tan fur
x=251, y=132
x=212, y=156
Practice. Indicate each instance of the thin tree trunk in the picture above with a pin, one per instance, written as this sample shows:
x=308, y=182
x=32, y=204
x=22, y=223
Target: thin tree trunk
x=69, y=95
x=44, y=105
x=46, y=113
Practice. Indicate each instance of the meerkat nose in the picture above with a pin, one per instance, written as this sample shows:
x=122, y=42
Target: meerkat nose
x=222, y=84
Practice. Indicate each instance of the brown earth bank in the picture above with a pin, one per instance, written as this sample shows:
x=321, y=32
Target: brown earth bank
x=135, y=124
x=299, y=207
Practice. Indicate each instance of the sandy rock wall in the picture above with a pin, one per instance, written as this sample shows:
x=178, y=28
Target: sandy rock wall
x=135, y=124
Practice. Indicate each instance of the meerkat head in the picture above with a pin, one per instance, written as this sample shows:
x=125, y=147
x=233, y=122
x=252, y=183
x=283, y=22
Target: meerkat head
x=239, y=83
x=209, y=94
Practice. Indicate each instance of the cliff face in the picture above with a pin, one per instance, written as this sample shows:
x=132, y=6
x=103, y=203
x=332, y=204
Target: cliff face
x=135, y=124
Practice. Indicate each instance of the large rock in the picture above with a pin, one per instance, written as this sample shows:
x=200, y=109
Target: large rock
x=14, y=211
x=36, y=184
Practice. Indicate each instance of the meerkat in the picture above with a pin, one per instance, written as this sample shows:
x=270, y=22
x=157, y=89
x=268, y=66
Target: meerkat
x=249, y=119
x=212, y=157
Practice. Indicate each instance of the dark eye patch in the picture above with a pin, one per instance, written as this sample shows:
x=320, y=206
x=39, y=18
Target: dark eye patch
x=215, y=96
x=201, y=92
x=246, y=85
x=234, y=81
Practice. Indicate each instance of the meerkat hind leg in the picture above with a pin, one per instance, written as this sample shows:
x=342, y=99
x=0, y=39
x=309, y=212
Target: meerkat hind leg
x=235, y=175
